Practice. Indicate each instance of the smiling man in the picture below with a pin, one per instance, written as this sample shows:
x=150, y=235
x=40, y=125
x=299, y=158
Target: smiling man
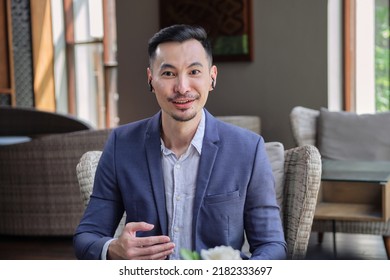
x=184, y=179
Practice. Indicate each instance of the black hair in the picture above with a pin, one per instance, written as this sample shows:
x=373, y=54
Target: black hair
x=180, y=33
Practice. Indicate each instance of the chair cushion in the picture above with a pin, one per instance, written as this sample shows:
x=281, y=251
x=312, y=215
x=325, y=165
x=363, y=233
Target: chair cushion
x=350, y=136
x=275, y=152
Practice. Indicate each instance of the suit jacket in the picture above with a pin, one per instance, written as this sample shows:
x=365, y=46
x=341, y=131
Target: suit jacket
x=234, y=191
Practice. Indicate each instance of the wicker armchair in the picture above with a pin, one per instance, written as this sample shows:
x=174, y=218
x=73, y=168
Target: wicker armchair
x=304, y=128
x=39, y=192
x=299, y=188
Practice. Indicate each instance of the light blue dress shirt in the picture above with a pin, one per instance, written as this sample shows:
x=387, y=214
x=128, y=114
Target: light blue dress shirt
x=180, y=183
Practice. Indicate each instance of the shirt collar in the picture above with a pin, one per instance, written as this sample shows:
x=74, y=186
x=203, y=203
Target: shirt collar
x=197, y=141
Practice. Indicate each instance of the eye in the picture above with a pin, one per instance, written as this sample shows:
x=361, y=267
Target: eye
x=195, y=72
x=168, y=74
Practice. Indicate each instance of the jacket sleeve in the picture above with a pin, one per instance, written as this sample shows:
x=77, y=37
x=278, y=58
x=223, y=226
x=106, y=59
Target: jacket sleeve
x=104, y=210
x=262, y=220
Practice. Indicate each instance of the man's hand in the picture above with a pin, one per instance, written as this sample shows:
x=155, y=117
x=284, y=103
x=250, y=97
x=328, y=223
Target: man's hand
x=130, y=247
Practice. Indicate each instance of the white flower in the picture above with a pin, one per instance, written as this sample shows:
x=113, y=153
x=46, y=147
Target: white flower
x=220, y=253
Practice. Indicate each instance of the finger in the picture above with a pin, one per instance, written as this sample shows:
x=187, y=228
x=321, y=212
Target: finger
x=151, y=240
x=154, y=249
x=161, y=256
x=138, y=226
x=157, y=252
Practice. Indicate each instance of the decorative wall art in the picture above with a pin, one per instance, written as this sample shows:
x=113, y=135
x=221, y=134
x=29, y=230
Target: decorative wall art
x=227, y=22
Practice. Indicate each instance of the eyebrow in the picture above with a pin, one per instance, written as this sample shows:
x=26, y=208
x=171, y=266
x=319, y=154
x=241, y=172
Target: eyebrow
x=169, y=66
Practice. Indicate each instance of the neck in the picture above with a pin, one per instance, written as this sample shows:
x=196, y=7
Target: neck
x=177, y=136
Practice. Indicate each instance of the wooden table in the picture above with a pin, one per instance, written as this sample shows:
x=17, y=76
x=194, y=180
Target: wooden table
x=17, y=121
x=354, y=191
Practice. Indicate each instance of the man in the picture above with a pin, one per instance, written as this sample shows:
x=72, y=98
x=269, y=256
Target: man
x=184, y=179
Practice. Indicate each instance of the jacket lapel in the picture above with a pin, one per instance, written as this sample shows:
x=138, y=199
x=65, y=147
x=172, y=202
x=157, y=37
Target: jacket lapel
x=153, y=152
x=209, y=153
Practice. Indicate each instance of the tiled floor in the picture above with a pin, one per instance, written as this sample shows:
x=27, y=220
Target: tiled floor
x=349, y=246
x=36, y=248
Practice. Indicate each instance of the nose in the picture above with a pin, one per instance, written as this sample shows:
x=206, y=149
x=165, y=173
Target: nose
x=182, y=85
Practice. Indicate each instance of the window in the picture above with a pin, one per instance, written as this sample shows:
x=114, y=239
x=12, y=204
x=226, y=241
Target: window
x=382, y=61
x=85, y=46
x=60, y=55
x=366, y=56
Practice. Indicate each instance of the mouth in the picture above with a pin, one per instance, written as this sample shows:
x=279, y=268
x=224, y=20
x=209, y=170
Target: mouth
x=182, y=101
x=183, y=104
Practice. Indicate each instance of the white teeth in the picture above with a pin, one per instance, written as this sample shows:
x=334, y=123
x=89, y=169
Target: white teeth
x=182, y=102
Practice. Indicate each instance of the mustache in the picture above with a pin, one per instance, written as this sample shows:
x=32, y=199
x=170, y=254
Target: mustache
x=179, y=96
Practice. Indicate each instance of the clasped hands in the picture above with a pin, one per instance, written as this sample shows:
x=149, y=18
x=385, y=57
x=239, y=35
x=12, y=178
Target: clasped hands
x=130, y=247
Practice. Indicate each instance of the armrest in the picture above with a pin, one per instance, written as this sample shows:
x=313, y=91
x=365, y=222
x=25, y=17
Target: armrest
x=302, y=182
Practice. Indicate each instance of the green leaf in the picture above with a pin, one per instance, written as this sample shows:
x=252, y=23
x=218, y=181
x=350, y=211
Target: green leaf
x=189, y=255
x=195, y=255
x=186, y=254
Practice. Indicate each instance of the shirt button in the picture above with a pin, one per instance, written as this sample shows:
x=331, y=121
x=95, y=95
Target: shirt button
x=178, y=198
x=177, y=166
x=176, y=229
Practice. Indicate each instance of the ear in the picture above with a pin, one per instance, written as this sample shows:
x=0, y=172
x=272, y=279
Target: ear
x=149, y=74
x=213, y=73
x=150, y=79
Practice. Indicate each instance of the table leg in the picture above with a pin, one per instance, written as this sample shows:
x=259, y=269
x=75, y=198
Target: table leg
x=334, y=239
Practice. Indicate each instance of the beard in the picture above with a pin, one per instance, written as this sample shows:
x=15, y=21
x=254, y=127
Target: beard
x=184, y=117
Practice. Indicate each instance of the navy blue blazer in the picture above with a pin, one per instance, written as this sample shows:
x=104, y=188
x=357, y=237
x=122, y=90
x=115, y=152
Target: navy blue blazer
x=234, y=191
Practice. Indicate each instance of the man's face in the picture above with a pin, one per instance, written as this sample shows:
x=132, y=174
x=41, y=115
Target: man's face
x=181, y=77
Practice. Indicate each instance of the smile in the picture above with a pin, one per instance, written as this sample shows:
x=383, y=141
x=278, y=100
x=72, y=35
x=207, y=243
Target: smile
x=182, y=101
